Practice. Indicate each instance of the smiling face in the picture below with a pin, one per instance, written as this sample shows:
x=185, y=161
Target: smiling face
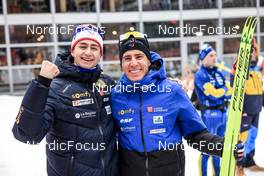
x=135, y=64
x=210, y=59
x=86, y=54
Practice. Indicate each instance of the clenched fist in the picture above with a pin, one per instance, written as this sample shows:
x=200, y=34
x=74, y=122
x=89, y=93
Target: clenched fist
x=49, y=70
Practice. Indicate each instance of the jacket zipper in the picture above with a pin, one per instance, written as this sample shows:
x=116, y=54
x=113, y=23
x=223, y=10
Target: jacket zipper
x=100, y=130
x=71, y=165
x=73, y=155
x=180, y=164
x=142, y=136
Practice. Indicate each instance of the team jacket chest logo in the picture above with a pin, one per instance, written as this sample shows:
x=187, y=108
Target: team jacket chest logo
x=156, y=109
x=217, y=80
x=83, y=102
x=81, y=95
x=126, y=111
x=157, y=119
x=82, y=115
x=77, y=101
x=126, y=120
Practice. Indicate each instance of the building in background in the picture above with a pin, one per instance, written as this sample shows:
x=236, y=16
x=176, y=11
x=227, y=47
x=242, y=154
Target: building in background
x=33, y=30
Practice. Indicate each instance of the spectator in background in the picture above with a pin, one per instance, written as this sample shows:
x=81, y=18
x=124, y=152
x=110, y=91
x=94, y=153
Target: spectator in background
x=251, y=110
x=213, y=93
x=165, y=4
x=3, y=62
x=188, y=80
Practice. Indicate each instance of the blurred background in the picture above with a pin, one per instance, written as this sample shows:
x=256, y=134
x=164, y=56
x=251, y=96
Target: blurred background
x=23, y=48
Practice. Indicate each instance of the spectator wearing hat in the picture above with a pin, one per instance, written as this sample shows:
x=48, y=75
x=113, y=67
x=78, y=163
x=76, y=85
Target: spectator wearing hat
x=253, y=102
x=212, y=92
x=153, y=113
x=63, y=106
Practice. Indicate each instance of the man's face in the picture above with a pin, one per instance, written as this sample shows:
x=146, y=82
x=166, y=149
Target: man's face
x=254, y=55
x=210, y=60
x=135, y=64
x=86, y=54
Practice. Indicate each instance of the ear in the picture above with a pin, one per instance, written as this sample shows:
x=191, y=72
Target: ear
x=72, y=54
x=149, y=63
x=121, y=68
x=203, y=61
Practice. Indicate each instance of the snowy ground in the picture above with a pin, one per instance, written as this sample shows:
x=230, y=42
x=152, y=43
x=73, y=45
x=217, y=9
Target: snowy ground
x=25, y=160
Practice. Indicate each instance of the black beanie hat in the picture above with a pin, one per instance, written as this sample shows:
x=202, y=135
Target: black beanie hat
x=134, y=43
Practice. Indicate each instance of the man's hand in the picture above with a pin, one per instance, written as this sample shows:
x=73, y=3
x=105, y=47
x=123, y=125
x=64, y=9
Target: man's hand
x=239, y=151
x=49, y=70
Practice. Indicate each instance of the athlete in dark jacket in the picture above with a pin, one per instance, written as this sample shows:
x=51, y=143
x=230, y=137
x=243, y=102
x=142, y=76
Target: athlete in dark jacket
x=153, y=114
x=64, y=105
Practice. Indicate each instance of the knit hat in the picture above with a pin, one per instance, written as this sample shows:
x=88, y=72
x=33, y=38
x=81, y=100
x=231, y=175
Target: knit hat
x=133, y=40
x=87, y=32
x=206, y=49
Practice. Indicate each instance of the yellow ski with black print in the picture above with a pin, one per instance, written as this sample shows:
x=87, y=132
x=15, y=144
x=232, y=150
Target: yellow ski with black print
x=235, y=109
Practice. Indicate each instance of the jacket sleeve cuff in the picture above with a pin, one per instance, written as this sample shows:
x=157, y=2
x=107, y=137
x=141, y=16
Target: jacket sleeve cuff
x=206, y=142
x=44, y=81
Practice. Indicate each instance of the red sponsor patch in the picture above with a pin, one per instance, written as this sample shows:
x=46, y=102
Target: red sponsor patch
x=150, y=109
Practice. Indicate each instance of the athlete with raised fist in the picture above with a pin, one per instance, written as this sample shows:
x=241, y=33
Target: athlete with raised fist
x=63, y=105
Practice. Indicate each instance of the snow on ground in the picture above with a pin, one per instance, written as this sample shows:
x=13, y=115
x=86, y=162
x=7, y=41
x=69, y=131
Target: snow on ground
x=21, y=159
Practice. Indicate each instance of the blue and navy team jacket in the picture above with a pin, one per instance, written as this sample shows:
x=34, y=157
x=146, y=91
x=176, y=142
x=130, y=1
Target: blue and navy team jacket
x=77, y=122
x=253, y=100
x=151, y=120
x=211, y=88
x=253, y=91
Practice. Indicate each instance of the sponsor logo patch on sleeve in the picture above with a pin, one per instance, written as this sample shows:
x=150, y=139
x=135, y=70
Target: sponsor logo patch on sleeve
x=21, y=110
